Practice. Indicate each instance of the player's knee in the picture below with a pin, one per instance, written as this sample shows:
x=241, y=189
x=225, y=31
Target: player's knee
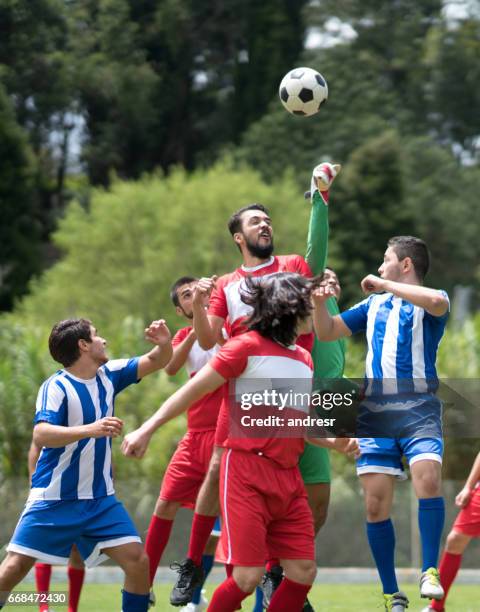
x=302, y=571
x=248, y=579
x=137, y=563
x=430, y=486
x=375, y=509
x=455, y=543
x=165, y=509
x=309, y=571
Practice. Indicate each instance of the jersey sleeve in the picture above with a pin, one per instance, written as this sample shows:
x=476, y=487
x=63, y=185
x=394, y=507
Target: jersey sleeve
x=442, y=319
x=218, y=302
x=355, y=318
x=122, y=372
x=51, y=406
x=317, y=239
x=180, y=336
x=232, y=358
x=302, y=267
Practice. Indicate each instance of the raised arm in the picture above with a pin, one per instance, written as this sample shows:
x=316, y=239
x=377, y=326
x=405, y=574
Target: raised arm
x=180, y=353
x=432, y=300
x=208, y=328
x=205, y=381
x=317, y=239
x=157, y=333
x=327, y=328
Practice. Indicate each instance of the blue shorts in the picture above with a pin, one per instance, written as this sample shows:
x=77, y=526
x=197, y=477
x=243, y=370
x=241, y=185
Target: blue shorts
x=217, y=528
x=47, y=529
x=384, y=455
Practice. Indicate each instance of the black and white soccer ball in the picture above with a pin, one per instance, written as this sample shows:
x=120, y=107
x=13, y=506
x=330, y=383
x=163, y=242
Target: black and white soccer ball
x=302, y=91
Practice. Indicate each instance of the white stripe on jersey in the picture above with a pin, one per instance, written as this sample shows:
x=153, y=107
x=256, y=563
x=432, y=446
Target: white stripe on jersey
x=389, y=357
x=372, y=314
x=418, y=352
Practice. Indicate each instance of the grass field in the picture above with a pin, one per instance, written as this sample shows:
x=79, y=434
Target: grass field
x=324, y=597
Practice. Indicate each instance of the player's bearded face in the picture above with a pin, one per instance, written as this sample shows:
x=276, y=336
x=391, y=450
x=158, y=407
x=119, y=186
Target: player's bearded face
x=97, y=348
x=391, y=268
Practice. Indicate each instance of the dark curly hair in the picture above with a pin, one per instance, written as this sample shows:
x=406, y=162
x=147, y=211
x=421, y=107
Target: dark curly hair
x=279, y=301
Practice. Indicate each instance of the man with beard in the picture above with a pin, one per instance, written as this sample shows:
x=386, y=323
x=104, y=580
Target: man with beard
x=251, y=230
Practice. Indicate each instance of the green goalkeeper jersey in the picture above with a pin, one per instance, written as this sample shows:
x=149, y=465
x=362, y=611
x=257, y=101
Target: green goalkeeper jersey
x=328, y=357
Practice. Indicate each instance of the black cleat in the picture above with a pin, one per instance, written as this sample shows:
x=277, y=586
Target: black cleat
x=270, y=583
x=190, y=577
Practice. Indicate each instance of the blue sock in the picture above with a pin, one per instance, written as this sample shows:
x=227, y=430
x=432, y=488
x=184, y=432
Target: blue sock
x=431, y=519
x=131, y=602
x=381, y=537
x=207, y=562
x=258, y=600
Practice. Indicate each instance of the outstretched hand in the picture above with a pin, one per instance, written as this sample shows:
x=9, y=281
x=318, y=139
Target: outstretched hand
x=158, y=333
x=203, y=289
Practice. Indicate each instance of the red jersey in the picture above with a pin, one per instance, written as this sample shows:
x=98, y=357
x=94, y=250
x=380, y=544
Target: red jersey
x=225, y=301
x=250, y=356
x=202, y=414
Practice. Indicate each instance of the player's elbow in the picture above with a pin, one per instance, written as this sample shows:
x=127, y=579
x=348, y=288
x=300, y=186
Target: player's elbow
x=40, y=435
x=438, y=306
x=206, y=342
x=171, y=369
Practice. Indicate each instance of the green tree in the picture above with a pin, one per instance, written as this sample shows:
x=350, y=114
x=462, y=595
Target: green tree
x=19, y=230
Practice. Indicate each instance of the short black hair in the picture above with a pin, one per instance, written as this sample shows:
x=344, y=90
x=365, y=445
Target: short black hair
x=416, y=249
x=64, y=337
x=235, y=221
x=279, y=301
x=183, y=280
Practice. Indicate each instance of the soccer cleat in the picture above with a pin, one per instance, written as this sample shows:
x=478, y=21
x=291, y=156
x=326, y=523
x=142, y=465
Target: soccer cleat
x=200, y=607
x=397, y=602
x=428, y=609
x=307, y=606
x=190, y=577
x=270, y=583
x=430, y=586
x=151, y=599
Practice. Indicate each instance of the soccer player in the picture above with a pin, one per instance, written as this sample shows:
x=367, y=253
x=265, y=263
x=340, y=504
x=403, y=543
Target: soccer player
x=465, y=527
x=328, y=362
x=189, y=464
x=43, y=571
x=72, y=497
x=263, y=501
x=404, y=322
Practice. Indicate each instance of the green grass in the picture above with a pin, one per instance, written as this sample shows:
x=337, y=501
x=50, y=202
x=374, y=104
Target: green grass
x=325, y=597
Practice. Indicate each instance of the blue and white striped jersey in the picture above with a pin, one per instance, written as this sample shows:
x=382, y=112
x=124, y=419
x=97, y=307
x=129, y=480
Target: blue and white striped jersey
x=82, y=470
x=402, y=341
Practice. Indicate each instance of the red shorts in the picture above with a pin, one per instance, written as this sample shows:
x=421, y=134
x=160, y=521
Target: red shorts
x=265, y=511
x=468, y=519
x=188, y=467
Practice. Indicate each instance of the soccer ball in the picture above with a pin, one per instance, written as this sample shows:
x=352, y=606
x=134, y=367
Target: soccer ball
x=302, y=91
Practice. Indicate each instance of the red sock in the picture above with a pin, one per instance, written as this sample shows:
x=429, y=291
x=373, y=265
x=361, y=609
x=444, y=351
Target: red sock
x=43, y=573
x=449, y=566
x=202, y=526
x=271, y=563
x=157, y=539
x=289, y=596
x=75, y=583
x=227, y=597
